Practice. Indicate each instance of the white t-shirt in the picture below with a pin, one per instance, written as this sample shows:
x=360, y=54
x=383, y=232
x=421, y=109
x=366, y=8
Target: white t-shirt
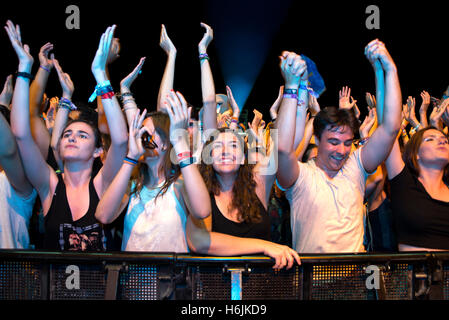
x=155, y=226
x=15, y=215
x=327, y=215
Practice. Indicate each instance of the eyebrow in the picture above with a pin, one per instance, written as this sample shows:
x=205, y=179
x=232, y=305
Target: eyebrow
x=79, y=131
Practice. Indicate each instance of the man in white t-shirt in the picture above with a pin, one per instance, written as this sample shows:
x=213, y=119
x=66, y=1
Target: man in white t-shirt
x=326, y=194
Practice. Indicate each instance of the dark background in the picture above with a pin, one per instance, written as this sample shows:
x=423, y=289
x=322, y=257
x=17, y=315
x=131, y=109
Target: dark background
x=248, y=36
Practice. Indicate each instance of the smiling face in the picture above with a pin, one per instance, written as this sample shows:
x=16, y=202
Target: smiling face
x=334, y=148
x=434, y=149
x=78, y=142
x=227, y=153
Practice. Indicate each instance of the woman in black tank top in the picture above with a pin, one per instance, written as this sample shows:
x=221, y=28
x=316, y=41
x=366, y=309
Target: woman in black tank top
x=69, y=200
x=239, y=223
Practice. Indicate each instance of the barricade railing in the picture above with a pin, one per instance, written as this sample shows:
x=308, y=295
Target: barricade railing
x=42, y=275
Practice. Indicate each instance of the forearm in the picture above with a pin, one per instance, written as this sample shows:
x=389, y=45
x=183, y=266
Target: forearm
x=308, y=132
x=37, y=89
x=195, y=189
x=108, y=207
x=393, y=102
x=129, y=105
x=20, y=120
x=380, y=91
x=167, y=80
x=62, y=115
x=114, y=116
x=203, y=241
x=208, y=96
x=286, y=124
x=301, y=114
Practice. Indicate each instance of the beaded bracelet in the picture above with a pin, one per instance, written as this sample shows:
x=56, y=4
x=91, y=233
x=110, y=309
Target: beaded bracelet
x=65, y=103
x=204, y=56
x=45, y=68
x=290, y=95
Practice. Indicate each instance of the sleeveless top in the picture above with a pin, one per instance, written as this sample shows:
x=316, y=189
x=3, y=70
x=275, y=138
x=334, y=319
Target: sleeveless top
x=155, y=225
x=221, y=224
x=62, y=233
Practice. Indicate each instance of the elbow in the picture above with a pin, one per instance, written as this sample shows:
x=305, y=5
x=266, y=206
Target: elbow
x=102, y=218
x=198, y=240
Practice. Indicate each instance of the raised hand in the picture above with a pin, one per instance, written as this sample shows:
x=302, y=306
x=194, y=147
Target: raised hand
x=99, y=63
x=166, y=43
x=345, y=100
x=135, y=146
x=114, y=51
x=410, y=114
x=376, y=50
x=445, y=116
x=64, y=79
x=179, y=116
x=7, y=92
x=22, y=51
x=370, y=100
x=275, y=107
x=233, y=103
x=207, y=38
x=314, y=106
x=126, y=83
x=293, y=69
x=437, y=113
x=44, y=60
x=367, y=124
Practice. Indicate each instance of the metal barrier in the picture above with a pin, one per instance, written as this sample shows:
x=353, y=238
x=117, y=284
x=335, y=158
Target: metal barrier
x=39, y=275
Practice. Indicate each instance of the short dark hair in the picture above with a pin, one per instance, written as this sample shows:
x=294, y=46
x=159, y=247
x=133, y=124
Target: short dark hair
x=335, y=117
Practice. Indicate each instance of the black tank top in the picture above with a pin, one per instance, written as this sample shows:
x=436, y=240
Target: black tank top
x=221, y=224
x=62, y=233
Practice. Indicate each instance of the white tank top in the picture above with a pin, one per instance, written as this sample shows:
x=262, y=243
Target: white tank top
x=155, y=225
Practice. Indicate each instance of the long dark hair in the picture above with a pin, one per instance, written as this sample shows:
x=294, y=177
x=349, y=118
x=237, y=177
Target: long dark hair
x=170, y=171
x=244, y=197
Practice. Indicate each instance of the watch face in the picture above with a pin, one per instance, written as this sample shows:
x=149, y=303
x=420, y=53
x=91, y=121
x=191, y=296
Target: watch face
x=148, y=141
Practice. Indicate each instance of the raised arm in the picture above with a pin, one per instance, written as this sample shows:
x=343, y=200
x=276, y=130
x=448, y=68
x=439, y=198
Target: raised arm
x=194, y=191
x=207, y=82
x=425, y=97
x=110, y=205
x=10, y=160
x=7, y=92
x=36, y=169
x=63, y=109
x=294, y=72
x=38, y=128
x=380, y=143
x=235, y=110
x=114, y=115
x=169, y=72
x=129, y=104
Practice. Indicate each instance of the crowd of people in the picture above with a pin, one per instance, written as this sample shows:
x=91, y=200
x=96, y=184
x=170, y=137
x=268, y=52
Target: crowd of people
x=313, y=179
